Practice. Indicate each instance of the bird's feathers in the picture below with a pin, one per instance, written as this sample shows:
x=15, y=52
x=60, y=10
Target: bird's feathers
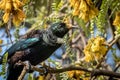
x=22, y=45
x=35, y=47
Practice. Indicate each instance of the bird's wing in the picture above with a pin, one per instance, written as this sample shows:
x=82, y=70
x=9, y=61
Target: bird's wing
x=22, y=45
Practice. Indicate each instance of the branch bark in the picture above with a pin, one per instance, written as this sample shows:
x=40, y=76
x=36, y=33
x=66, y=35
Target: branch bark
x=95, y=72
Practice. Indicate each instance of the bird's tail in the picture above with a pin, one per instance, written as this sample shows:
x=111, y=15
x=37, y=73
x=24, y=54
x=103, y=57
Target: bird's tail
x=14, y=72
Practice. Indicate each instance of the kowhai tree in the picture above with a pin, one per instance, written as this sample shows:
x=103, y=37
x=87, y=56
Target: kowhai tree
x=86, y=47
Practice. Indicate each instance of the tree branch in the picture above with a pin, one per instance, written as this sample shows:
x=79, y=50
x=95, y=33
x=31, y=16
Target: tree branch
x=95, y=72
x=24, y=71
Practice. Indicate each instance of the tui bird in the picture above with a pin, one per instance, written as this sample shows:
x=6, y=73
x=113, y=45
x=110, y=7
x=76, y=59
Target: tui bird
x=34, y=47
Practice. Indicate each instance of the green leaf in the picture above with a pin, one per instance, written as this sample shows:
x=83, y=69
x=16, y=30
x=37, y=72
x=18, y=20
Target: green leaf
x=4, y=64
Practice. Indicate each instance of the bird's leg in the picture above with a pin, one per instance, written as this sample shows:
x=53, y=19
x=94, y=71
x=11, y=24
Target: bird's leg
x=28, y=66
x=60, y=40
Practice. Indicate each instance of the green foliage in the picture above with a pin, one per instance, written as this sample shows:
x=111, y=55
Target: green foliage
x=56, y=6
x=63, y=76
x=82, y=24
x=92, y=24
x=30, y=76
x=16, y=34
x=115, y=5
x=102, y=17
x=117, y=32
x=4, y=64
x=39, y=11
x=115, y=57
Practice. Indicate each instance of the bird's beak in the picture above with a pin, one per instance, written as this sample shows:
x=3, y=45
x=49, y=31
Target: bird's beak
x=72, y=27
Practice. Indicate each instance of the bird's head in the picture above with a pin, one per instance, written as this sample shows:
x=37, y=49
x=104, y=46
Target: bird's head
x=59, y=29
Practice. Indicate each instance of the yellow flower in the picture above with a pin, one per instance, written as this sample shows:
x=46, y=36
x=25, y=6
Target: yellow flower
x=76, y=5
x=116, y=22
x=41, y=77
x=18, y=16
x=75, y=12
x=8, y=6
x=6, y=17
x=70, y=73
x=84, y=9
x=89, y=2
x=84, y=16
x=1, y=41
x=88, y=56
x=78, y=74
x=76, y=8
x=17, y=4
x=95, y=49
x=2, y=4
x=75, y=74
x=72, y=2
x=13, y=7
x=97, y=56
x=83, y=6
x=93, y=12
x=87, y=78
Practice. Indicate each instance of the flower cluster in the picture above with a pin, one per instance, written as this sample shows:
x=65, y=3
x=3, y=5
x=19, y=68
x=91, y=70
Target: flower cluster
x=13, y=8
x=85, y=9
x=78, y=75
x=117, y=19
x=95, y=49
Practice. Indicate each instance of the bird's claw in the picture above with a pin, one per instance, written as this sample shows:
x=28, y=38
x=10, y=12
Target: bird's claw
x=28, y=66
x=45, y=71
x=60, y=40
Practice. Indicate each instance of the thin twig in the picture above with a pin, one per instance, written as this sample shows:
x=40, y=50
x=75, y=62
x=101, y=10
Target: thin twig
x=116, y=68
x=76, y=39
x=109, y=46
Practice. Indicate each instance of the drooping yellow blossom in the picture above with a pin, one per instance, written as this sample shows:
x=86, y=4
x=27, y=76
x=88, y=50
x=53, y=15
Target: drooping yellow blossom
x=13, y=8
x=1, y=41
x=87, y=78
x=6, y=17
x=76, y=10
x=3, y=4
x=8, y=6
x=70, y=73
x=17, y=4
x=95, y=49
x=75, y=74
x=18, y=17
x=116, y=22
x=84, y=9
x=41, y=77
x=83, y=6
x=72, y=2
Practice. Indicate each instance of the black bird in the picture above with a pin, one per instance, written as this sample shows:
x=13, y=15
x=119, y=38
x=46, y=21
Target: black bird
x=35, y=47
